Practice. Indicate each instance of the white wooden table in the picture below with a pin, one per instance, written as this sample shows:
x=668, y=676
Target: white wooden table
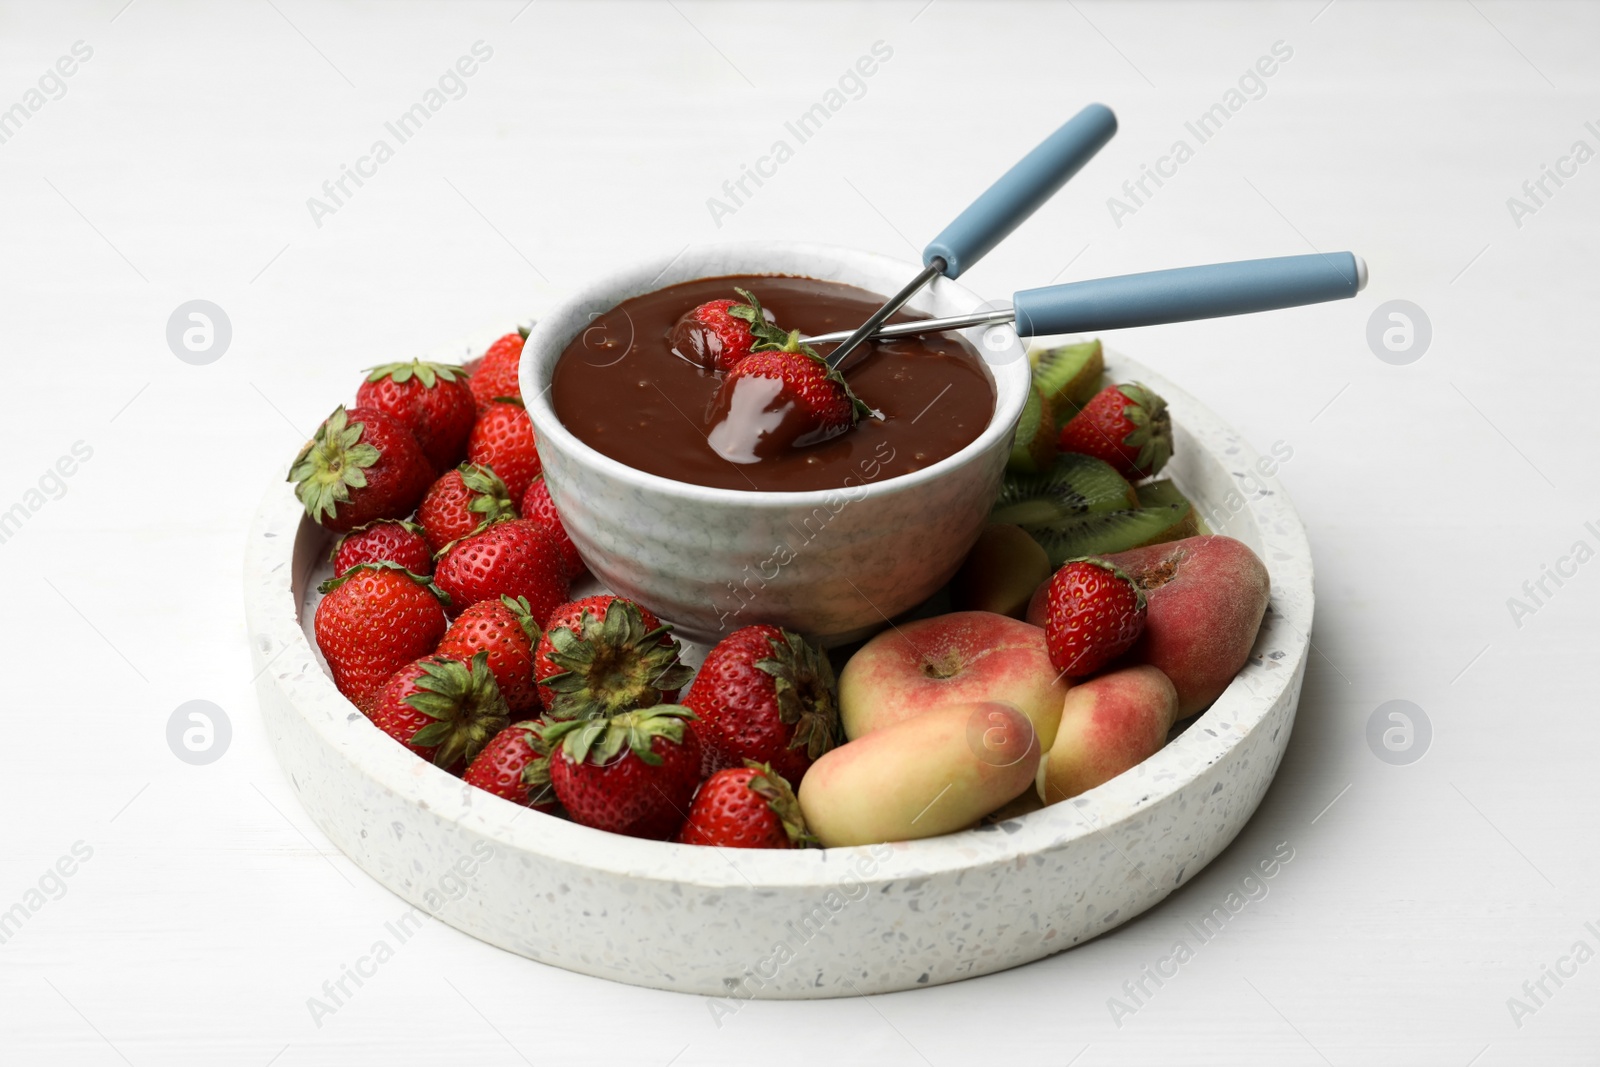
x=176, y=162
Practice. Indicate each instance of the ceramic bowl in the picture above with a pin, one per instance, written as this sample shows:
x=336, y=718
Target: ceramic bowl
x=831, y=564
x=735, y=924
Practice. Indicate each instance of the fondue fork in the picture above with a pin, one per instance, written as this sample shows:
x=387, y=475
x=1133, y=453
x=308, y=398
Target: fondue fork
x=998, y=210
x=1178, y=295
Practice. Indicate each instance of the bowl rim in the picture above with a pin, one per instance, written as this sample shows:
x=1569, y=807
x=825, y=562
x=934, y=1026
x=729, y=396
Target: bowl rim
x=548, y=339
x=279, y=642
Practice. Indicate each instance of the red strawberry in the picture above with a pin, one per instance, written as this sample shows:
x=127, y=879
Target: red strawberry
x=765, y=694
x=431, y=399
x=504, y=629
x=495, y=374
x=1093, y=614
x=376, y=618
x=502, y=438
x=718, y=334
x=746, y=807
x=385, y=541
x=461, y=501
x=361, y=465
x=539, y=509
x=602, y=655
x=512, y=558
x=633, y=773
x=442, y=709
x=778, y=398
x=1127, y=426
x=515, y=766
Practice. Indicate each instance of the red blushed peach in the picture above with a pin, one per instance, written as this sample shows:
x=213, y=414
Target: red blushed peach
x=1206, y=597
x=960, y=658
x=1108, y=725
x=933, y=774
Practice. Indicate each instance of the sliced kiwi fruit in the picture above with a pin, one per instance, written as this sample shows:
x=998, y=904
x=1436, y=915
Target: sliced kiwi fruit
x=1163, y=493
x=1069, y=375
x=1073, y=486
x=1035, y=446
x=1098, y=533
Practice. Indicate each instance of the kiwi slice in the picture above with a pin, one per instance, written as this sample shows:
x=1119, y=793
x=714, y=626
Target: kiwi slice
x=1163, y=493
x=1098, y=533
x=1069, y=375
x=1035, y=446
x=1074, y=485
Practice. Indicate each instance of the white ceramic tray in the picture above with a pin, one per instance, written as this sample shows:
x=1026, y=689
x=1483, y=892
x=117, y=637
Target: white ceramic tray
x=813, y=923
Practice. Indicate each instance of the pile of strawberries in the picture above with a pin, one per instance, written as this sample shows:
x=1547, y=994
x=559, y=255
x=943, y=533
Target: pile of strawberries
x=448, y=623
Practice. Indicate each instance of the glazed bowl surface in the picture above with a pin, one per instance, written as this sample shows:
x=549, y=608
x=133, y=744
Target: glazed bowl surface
x=832, y=564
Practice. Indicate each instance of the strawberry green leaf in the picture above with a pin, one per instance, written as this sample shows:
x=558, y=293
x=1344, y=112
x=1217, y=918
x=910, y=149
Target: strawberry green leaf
x=465, y=703
x=424, y=580
x=332, y=464
x=429, y=374
x=768, y=336
x=602, y=741
x=612, y=664
x=806, y=691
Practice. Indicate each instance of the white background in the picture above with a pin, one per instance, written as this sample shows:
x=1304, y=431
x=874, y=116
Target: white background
x=178, y=165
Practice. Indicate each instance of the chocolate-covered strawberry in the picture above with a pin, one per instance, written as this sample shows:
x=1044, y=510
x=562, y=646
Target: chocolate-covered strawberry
x=605, y=654
x=512, y=558
x=780, y=397
x=718, y=334
x=503, y=439
x=460, y=501
x=360, y=465
x=376, y=618
x=746, y=807
x=384, y=541
x=633, y=773
x=495, y=373
x=539, y=509
x=515, y=766
x=431, y=399
x=442, y=709
x=503, y=628
x=765, y=694
x=1127, y=426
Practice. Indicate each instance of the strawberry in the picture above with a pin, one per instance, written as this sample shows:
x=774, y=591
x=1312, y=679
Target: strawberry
x=442, y=709
x=602, y=655
x=1127, y=426
x=384, y=541
x=502, y=438
x=506, y=631
x=633, y=773
x=539, y=509
x=361, y=465
x=719, y=333
x=1093, y=614
x=495, y=374
x=431, y=399
x=461, y=501
x=376, y=618
x=765, y=694
x=746, y=807
x=515, y=766
x=781, y=396
x=512, y=558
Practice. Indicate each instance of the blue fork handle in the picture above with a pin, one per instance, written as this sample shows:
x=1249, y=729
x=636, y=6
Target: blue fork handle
x=1021, y=190
x=1188, y=293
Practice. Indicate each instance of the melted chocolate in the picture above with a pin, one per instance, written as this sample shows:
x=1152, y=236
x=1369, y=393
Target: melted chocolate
x=621, y=389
